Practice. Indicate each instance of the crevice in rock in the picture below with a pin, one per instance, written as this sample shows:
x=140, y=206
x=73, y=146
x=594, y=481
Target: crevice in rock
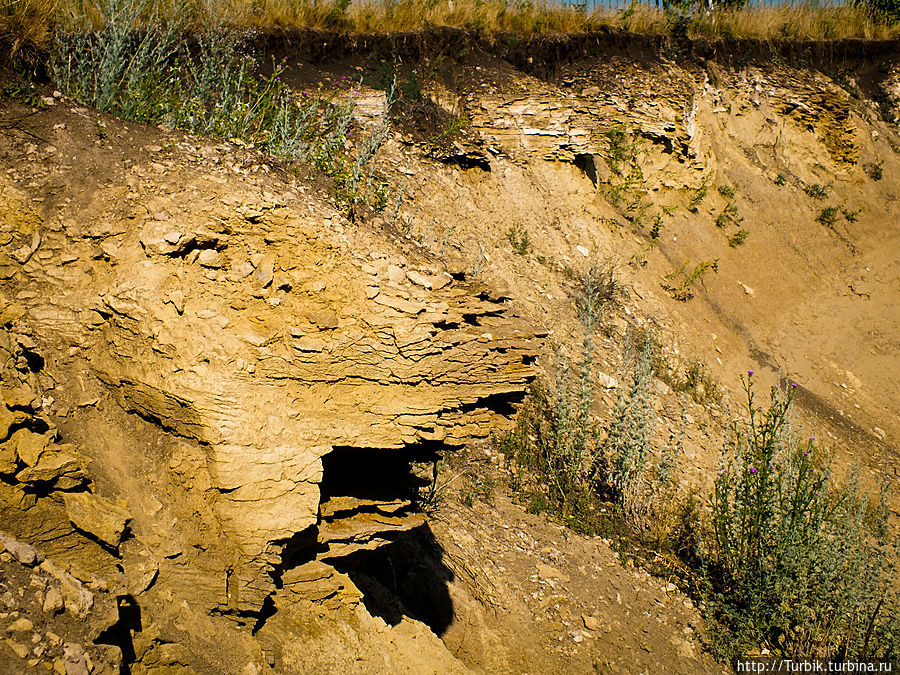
x=406, y=578
x=121, y=633
x=506, y=403
x=587, y=163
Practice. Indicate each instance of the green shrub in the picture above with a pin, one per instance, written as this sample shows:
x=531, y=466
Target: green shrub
x=828, y=216
x=738, y=238
x=816, y=191
x=698, y=197
x=780, y=179
x=727, y=191
x=851, y=216
x=796, y=564
x=519, y=240
x=874, y=171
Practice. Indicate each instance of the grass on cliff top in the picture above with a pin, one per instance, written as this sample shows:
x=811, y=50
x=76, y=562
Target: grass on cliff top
x=28, y=24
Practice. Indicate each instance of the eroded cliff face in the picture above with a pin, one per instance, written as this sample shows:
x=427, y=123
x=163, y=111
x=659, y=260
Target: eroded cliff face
x=218, y=392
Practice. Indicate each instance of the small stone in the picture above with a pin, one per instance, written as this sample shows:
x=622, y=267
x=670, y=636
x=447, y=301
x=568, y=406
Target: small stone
x=309, y=344
x=265, y=271
x=29, y=445
x=25, y=553
x=395, y=274
x=607, y=381
x=590, y=622
x=209, y=257
x=419, y=279
x=747, y=290
x=549, y=572
x=325, y=319
x=20, y=625
x=20, y=649
x=879, y=432
x=11, y=313
x=583, y=250
x=53, y=602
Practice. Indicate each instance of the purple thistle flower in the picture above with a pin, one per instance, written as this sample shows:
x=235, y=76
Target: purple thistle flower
x=793, y=385
x=806, y=454
x=749, y=372
x=752, y=469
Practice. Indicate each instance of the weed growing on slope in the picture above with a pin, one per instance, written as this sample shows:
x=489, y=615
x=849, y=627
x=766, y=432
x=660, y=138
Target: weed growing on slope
x=780, y=180
x=828, y=216
x=738, y=238
x=727, y=191
x=729, y=216
x=624, y=148
x=851, y=216
x=796, y=564
x=679, y=283
x=698, y=197
x=874, y=171
x=816, y=191
x=144, y=64
x=519, y=240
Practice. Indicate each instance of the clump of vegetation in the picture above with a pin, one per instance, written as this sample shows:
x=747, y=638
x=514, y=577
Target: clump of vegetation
x=475, y=488
x=795, y=563
x=851, y=216
x=780, y=179
x=679, y=282
x=738, y=238
x=727, y=191
x=874, y=171
x=519, y=240
x=624, y=148
x=816, y=191
x=157, y=65
x=729, y=216
x=828, y=216
x=698, y=197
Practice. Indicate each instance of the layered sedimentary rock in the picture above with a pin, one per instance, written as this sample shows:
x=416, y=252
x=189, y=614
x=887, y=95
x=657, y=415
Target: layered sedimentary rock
x=248, y=325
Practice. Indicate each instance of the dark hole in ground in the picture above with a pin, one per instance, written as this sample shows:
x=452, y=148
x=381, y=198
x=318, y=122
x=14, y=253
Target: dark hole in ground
x=120, y=633
x=405, y=578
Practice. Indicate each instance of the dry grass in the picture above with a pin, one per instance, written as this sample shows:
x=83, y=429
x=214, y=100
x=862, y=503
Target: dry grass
x=27, y=24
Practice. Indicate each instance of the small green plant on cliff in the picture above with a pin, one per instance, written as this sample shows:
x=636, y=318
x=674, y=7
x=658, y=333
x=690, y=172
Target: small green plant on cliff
x=817, y=191
x=796, y=563
x=851, y=216
x=679, y=282
x=729, y=216
x=519, y=240
x=828, y=216
x=727, y=191
x=698, y=197
x=738, y=238
x=780, y=179
x=624, y=148
x=874, y=171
